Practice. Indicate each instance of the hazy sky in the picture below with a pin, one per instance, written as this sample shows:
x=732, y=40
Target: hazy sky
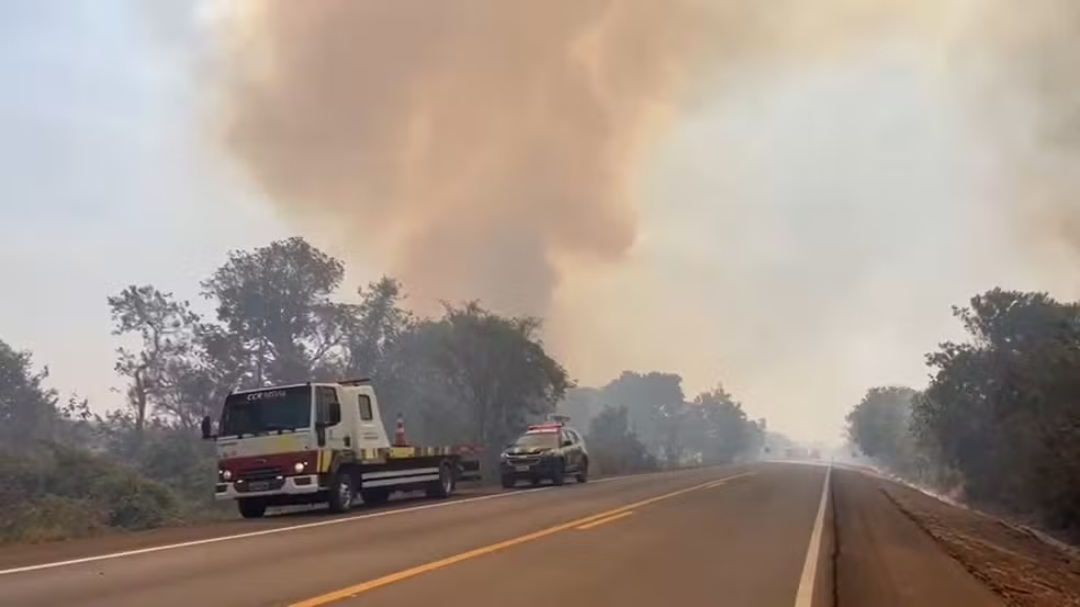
x=102, y=182
x=801, y=237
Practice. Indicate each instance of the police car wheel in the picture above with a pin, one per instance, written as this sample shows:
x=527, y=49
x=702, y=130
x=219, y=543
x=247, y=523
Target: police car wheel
x=583, y=474
x=559, y=476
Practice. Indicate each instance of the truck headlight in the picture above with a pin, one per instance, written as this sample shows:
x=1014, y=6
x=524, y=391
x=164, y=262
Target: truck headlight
x=226, y=475
x=298, y=467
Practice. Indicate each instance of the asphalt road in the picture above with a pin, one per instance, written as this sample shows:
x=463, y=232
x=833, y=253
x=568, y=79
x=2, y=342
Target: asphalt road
x=769, y=535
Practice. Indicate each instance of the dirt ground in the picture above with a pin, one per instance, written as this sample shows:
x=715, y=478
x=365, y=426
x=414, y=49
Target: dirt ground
x=1019, y=566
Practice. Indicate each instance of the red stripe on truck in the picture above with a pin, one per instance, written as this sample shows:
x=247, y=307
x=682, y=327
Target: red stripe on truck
x=284, y=461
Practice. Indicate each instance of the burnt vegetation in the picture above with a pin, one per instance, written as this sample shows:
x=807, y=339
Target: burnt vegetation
x=469, y=375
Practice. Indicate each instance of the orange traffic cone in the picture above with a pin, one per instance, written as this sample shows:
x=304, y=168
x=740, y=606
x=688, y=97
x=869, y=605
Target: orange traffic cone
x=399, y=432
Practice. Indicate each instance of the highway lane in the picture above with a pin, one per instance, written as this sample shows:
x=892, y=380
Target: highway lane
x=740, y=543
x=730, y=536
x=279, y=568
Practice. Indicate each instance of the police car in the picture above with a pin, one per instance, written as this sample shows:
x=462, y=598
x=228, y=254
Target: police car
x=552, y=451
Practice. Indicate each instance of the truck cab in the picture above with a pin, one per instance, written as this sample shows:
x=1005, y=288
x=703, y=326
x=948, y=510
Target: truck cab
x=321, y=443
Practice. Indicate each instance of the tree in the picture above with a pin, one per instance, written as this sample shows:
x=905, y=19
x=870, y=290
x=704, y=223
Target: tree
x=28, y=410
x=499, y=367
x=1002, y=408
x=880, y=426
x=613, y=445
x=275, y=302
x=165, y=330
x=654, y=403
x=379, y=322
x=718, y=428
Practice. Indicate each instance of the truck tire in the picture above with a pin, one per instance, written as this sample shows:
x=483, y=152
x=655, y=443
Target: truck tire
x=375, y=495
x=251, y=507
x=342, y=495
x=558, y=477
x=508, y=481
x=444, y=487
x=583, y=473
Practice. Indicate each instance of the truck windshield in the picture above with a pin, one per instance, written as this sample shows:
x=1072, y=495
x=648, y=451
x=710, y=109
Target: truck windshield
x=270, y=410
x=545, y=440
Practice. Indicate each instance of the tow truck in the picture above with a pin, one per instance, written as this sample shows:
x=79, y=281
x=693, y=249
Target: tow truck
x=316, y=443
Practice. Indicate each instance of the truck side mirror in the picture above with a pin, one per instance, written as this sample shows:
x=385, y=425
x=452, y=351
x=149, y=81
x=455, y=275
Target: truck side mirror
x=207, y=428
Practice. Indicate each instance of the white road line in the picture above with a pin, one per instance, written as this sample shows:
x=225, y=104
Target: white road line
x=250, y=534
x=263, y=532
x=805, y=595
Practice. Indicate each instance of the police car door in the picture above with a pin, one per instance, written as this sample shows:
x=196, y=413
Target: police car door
x=569, y=449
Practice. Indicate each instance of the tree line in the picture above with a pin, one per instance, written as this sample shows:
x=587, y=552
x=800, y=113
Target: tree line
x=998, y=424
x=710, y=428
x=468, y=375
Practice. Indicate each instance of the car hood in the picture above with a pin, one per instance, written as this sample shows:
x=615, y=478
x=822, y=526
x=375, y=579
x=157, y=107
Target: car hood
x=528, y=450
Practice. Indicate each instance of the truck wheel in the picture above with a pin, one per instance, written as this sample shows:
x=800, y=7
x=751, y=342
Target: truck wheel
x=508, y=481
x=558, y=477
x=443, y=487
x=583, y=474
x=375, y=495
x=251, y=507
x=341, y=492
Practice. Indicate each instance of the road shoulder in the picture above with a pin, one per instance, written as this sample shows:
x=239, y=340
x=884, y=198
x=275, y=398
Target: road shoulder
x=1016, y=564
x=883, y=558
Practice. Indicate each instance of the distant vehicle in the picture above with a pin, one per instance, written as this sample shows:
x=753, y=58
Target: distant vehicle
x=551, y=451
x=323, y=443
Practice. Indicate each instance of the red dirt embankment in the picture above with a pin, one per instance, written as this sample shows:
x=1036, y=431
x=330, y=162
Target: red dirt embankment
x=1014, y=562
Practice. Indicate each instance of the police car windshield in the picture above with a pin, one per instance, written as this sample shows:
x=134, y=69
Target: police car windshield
x=266, y=411
x=539, y=440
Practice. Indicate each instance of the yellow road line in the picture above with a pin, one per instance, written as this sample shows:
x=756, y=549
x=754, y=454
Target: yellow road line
x=609, y=519
x=386, y=580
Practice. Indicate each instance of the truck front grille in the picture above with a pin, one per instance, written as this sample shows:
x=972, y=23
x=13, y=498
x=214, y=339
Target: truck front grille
x=268, y=473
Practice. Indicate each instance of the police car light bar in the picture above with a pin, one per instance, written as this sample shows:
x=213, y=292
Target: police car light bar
x=555, y=421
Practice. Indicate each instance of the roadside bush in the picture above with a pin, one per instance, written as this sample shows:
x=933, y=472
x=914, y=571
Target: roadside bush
x=60, y=492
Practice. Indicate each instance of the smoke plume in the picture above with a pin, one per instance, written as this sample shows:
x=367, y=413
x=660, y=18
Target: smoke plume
x=474, y=146
x=480, y=147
